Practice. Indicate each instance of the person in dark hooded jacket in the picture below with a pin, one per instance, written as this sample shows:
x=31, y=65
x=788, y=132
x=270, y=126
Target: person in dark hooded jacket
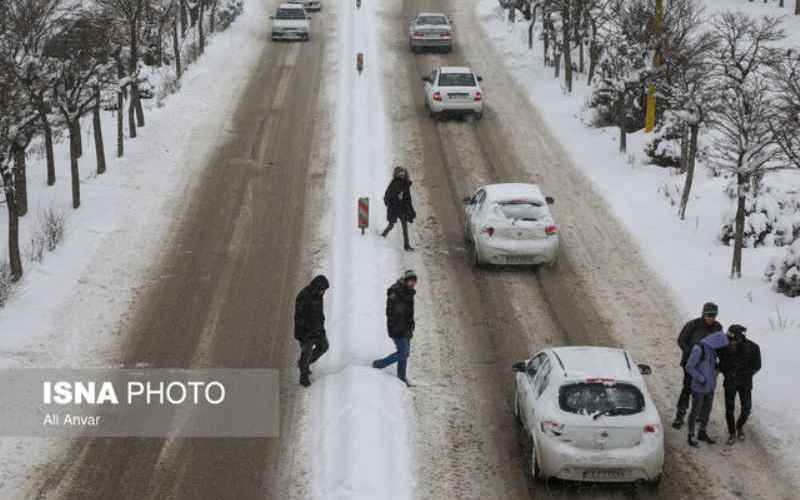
x=692, y=333
x=309, y=325
x=738, y=363
x=702, y=366
x=400, y=323
x=399, y=205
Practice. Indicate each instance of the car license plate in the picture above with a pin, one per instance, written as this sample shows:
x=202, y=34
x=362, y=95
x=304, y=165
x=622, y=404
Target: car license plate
x=603, y=474
x=518, y=259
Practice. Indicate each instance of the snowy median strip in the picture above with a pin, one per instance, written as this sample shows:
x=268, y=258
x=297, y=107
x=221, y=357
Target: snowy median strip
x=363, y=421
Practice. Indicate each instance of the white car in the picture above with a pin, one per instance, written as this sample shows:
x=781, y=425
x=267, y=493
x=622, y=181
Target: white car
x=291, y=22
x=309, y=5
x=589, y=416
x=430, y=30
x=453, y=90
x=510, y=224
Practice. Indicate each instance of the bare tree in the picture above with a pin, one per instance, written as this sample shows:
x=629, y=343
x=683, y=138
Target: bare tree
x=744, y=144
x=785, y=120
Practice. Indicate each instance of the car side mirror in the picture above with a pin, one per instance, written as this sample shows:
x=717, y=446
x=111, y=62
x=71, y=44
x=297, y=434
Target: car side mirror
x=549, y=200
x=467, y=200
x=272, y=17
x=480, y=78
x=520, y=366
x=644, y=369
x=426, y=79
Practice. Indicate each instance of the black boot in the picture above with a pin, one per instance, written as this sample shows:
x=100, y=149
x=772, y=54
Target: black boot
x=740, y=434
x=406, y=245
x=702, y=436
x=692, y=442
x=386, y=231
x=304, y=380
x=677, y=423
x=731, y=439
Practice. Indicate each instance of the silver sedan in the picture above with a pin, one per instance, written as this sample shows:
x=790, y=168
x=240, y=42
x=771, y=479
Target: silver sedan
x=430, y=30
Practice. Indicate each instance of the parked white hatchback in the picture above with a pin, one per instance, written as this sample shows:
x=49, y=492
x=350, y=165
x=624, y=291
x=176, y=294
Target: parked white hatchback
x=510, y=224
x=291, y=22
x=453, y=90
x=589, y=416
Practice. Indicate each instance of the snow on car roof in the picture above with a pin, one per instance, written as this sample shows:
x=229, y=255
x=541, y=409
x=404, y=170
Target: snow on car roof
x=513, y=191
x=597, y=362
x=455, y=69
x=430, y=14
x=290, y=6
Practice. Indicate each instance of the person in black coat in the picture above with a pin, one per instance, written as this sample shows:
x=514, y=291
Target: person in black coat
x=400, y=323
x=399, y=205
x=693, y=332
x=309, y=325
x=738, y=363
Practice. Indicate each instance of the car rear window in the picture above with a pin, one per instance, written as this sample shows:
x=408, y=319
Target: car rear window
x=431, y=20
x=522, y=210
x=456, y=80
x=606, y=398
x=290, y=14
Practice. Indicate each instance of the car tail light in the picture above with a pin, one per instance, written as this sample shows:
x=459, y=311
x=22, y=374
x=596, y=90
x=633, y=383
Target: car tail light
x=550, y=230
x=477, y=96
x=650, y=429
x=419, y=34
x=552, y=427
x=489, y=230
x=437, y=96
x=444, y=34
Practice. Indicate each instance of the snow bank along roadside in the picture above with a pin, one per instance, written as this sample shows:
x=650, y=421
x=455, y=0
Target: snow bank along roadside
x=362, y=419
x=71, y=309
x=685, y=255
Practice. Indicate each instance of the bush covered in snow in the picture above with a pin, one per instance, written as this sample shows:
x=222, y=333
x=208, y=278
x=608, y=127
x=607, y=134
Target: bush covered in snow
x=6, y=284
x=772, y=219
x=664, y=149
x=227, y=13
x=784, y=272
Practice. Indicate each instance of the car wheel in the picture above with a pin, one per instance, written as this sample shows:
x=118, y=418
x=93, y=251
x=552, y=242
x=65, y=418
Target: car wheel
x=654, y=483
x=553, y=263
x=475, y=257
x=517, y=416
x=478, y=116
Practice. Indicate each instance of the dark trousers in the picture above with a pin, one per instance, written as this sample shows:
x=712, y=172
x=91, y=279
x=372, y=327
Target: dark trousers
x=701, y=410
x=745, y=399
x=404, y=225
x=400, y=357
x=686, y=394
x=311, y=349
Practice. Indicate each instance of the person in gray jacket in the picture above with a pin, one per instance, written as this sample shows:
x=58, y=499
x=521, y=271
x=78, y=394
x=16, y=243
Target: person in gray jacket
x=702, y=367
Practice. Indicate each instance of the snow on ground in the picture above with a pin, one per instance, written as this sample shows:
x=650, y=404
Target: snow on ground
x=70, y=310
x=685, y=254
x=362, y=418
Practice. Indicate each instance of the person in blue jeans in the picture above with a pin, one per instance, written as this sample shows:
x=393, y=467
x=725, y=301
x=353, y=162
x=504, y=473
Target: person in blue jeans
x=400, y=323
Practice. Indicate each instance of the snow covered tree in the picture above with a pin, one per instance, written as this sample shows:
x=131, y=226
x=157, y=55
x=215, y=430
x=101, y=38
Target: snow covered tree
x=79, y=57
x=743, y=144
x=784, y=272
x=785, y=121
x=11, y=105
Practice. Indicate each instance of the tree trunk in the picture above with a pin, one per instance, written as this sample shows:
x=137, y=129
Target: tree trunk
x=131, y=117
x=78, y=139
x=546, y=36
x=213, y=21
x=14, y=257
x=738, y=243
x=48, y=147
x=581, y=65
x=120, y=111
x=567, y=48
x=98, y=134
x=623, y=134
x=684, y=161
x=691, y=156
x=594, y=55
x=797, y=7
x=20, y=180
x=74, y=172
x=184, y=19
x=176, y=48
x=201, y=27
x=133, y=72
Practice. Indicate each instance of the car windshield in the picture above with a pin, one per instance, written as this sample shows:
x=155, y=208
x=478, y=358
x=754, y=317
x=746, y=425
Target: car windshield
x=522, y=210
x=601, y=398
x=432, y=20
x=290, y=14
x=456, y=80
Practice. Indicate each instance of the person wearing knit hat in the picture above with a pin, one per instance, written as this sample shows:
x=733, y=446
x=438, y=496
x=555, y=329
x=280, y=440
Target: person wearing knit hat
x=400, y=323
x=692, y=333
x=399, y=205
x=739, y=362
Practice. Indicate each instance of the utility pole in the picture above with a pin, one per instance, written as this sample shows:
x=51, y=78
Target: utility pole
x=650, y=116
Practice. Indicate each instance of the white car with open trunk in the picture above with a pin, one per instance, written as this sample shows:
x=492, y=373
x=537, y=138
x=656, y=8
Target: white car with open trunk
x=510, y=224
x=589, y=416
